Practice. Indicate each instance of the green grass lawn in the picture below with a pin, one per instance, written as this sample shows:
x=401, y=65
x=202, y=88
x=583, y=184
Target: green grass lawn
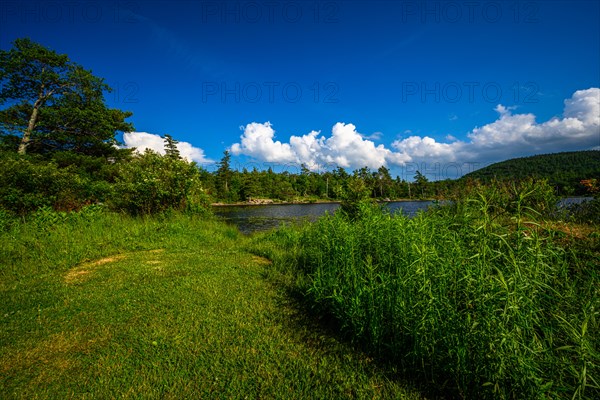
x=116, y=307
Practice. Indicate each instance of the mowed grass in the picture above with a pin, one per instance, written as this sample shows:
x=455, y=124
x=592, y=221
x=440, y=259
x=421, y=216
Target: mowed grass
x=107, y=306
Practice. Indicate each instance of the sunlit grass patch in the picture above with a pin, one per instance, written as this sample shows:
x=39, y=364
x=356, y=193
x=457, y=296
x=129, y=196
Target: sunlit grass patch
x=82, y=272
x=170, y=308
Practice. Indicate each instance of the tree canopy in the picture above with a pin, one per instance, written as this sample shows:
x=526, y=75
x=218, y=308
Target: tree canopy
x=564, y=170
x=54, y=104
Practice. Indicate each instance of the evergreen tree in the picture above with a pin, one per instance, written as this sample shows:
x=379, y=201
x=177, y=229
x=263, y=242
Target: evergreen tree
x=420, y=183
x=224, y=175
x=171, y=150
x=250, y=185
x=55, y=104
x=385, y=182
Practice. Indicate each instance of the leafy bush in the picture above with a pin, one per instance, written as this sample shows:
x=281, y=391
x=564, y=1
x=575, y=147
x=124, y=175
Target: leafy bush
x=29, y=183
x=353, y=196
x=46, y=217
x=151, y=183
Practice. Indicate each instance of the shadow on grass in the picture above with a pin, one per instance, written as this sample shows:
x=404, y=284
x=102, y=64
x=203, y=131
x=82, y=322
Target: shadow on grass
x=325, y=334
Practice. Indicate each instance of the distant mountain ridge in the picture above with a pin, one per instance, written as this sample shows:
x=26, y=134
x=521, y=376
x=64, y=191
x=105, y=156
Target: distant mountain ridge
x=563, y=170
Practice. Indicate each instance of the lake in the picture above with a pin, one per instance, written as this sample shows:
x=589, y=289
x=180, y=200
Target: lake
x=569, y=201
x=253, y=218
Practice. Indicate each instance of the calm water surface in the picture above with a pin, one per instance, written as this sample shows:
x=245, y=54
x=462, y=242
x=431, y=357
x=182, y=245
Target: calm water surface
x=264, y=217
x=568, y=201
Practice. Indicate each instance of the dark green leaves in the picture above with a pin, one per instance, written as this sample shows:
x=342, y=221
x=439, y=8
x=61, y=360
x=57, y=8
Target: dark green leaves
x=55, y=104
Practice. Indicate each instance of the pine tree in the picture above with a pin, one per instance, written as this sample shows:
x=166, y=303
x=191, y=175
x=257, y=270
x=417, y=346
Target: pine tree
x=55, y=104
x=224, y=175
x=171, y=150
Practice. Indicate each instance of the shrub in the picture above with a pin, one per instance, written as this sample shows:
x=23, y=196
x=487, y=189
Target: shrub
x=151, y=183
x=29, y=183
x=354, y=196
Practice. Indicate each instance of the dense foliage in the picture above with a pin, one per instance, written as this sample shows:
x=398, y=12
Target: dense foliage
x=228, y=184
x=145, y=183
x=54, y=104
x=150, y=183
x=28, y=183
x=564, y=171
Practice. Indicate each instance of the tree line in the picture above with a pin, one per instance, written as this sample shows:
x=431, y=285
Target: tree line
x=565, y=172
x=227, y=184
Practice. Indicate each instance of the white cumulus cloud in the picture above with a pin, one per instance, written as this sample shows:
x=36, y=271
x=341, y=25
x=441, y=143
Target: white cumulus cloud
x=346, y=147
x=517, y=134
x=144, y=140
x=510, y=135
x=258, y=142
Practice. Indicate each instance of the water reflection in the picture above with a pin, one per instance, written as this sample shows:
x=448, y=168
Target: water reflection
x=255, y=218
x=264, y=217
x=569, y=201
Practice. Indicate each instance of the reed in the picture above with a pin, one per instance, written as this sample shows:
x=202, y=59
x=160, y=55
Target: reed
x=477, y=298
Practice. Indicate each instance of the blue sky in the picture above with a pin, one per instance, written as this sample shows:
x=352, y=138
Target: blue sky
x=440, y=86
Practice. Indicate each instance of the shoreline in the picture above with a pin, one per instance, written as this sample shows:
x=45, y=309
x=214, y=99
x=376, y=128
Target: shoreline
x=269, y=202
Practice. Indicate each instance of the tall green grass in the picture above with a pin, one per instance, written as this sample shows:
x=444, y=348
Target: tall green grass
x=477, y=297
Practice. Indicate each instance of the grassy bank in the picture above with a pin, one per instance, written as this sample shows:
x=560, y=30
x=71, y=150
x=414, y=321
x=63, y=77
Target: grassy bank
x=99, y=305
x=482, y=298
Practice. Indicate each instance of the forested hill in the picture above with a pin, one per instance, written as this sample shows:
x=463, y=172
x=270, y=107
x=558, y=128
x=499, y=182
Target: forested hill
x=563, y=170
